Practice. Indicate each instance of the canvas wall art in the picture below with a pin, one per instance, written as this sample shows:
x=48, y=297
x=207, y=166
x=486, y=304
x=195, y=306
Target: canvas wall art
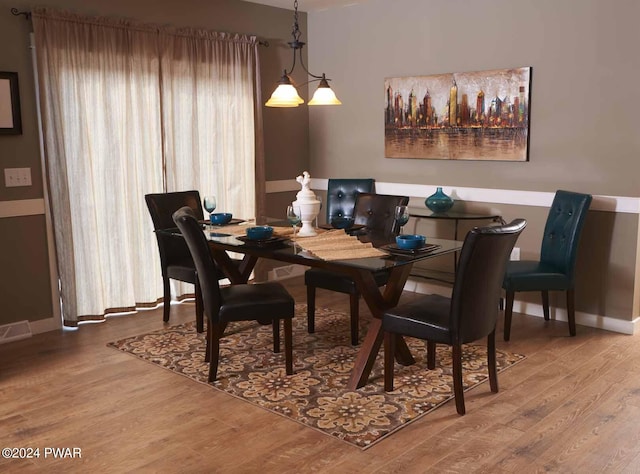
x=482, y=115
x=10, y=120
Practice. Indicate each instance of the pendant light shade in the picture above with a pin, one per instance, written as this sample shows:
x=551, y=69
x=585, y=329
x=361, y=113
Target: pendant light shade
x=324, y=95
x=286, y=94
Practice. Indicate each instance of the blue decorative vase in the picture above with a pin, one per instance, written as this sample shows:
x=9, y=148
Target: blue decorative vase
x=439, y=202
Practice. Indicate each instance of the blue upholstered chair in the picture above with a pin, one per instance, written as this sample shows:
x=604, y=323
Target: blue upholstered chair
x=555, y=269
x=470, y=314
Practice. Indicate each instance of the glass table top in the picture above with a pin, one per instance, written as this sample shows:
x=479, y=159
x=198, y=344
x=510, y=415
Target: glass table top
x=290, y=250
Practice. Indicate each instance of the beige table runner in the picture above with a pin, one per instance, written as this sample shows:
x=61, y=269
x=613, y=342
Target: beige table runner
x=337, y=245
x=327, y=245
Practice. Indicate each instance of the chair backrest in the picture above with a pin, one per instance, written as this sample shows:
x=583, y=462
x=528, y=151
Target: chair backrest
x=377, y=212
x=481, y=269
x=163, y=205
x=206, y=267
x=562, y=230
x=341, y=195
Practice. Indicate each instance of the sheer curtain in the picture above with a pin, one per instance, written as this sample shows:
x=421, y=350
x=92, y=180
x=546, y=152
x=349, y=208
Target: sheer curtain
x=207, y=85
x=126, y=112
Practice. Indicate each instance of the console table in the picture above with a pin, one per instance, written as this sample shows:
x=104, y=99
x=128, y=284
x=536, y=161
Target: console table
x=456, y=217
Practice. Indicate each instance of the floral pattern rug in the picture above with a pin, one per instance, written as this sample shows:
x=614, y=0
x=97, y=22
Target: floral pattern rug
x=316, y=395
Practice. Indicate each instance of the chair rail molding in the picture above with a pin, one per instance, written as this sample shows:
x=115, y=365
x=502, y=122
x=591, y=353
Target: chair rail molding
x=19, y=208
x=622, y=204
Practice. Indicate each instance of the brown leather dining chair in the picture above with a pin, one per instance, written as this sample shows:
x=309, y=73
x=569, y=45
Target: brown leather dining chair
x=471, y=312
x=263, y=302
x=342, y=194
x=377, y=213
x=175, y=260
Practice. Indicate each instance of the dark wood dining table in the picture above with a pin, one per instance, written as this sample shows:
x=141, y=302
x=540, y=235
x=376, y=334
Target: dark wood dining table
x=361, y=270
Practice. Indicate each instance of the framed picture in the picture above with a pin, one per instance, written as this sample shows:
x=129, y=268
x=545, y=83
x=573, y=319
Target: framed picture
x=10, y=119
x=481, y=115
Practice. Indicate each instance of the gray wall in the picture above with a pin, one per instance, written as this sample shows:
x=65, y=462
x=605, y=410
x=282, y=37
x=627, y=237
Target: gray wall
x=584, y=109
x=583, y=137
x=25, y=289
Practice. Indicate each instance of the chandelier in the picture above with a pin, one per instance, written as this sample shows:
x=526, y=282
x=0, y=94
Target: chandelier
x=286, y=94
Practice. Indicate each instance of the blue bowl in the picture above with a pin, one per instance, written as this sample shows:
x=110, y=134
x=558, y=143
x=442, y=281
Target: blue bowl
x=342, y=222
x=410, y=242
x=260, y=232
x=220, y=218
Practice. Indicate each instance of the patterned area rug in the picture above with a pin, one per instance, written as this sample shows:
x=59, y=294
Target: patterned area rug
x=315, y=395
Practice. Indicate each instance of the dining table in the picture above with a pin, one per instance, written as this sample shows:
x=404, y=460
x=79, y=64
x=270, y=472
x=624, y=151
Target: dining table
x=383, y=256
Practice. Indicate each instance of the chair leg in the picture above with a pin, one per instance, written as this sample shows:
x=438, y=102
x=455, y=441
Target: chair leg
x=545, y=304
x=571, y=311
x=491, y=361
x=207, y=352
x=276, y=336
x=431, y=355
x=214, y=351
x=288, y=346
x=311, y=309
x=508, y=313
x=457, y=378
x=199, y=308
x=389, y=359
x=166, y=284
x=354, y=305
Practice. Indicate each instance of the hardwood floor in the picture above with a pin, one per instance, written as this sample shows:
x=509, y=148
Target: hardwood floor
x=572, y=406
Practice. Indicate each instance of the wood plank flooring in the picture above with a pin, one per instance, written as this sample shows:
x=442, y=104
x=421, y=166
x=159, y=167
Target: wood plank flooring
x=572, y=406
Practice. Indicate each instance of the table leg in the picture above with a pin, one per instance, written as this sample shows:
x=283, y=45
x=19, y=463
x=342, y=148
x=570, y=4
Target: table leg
x=236, y=274
x=378, y=303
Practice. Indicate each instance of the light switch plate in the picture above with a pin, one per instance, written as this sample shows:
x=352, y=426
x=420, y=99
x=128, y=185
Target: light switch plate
x=17, y=177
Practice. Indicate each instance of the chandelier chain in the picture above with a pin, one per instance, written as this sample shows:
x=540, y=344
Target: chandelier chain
x=296, y=29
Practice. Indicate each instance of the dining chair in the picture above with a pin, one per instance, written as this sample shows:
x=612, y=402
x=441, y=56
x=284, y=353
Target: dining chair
x=555, y=269
x=263, y=302
x=471, y=312
x=342, y=193
x=377, y=213
x=175, y=260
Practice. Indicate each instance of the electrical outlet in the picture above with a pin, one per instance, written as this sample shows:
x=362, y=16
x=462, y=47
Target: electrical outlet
x=515, y=253
x=17, y=177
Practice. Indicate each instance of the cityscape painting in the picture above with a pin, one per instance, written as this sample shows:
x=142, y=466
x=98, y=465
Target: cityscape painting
x=481, y=115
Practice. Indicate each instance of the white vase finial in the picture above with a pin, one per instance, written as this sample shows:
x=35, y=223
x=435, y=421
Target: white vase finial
x=304, y=179
x=308, y=203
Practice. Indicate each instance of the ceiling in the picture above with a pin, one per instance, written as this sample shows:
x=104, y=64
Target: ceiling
x=308, y=5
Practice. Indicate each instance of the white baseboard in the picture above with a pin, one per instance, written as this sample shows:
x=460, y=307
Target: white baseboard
x=584, y=319
x=45, y=325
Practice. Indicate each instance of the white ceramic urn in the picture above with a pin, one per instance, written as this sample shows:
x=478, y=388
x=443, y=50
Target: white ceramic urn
x=309, y=206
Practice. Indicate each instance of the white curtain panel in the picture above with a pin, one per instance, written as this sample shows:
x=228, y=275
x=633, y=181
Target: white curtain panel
x=208, y=112
x=107, y=126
